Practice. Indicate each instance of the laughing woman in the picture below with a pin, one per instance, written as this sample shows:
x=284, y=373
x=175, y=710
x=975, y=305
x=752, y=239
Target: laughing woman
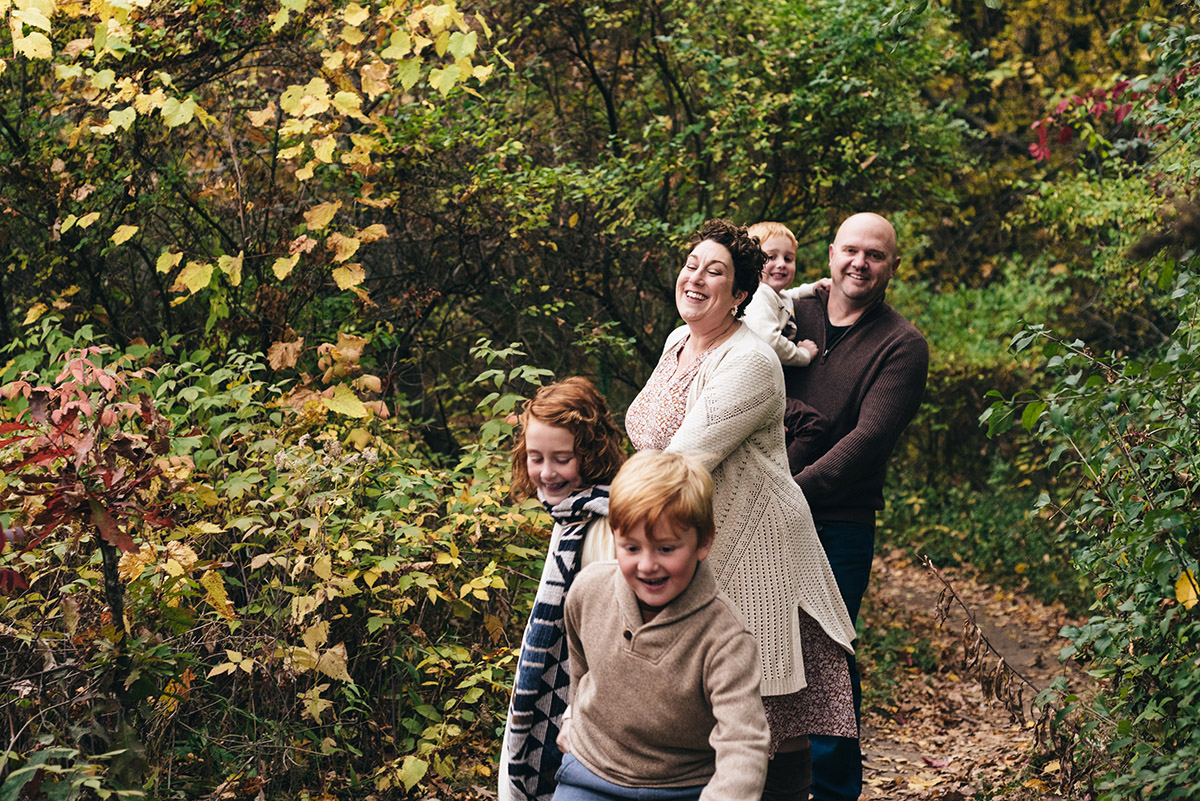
x=718, y=394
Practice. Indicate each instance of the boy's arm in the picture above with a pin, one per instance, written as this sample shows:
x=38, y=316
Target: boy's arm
x=768, y=321
x=802, y=291
x=578, y=664
x=741, y=738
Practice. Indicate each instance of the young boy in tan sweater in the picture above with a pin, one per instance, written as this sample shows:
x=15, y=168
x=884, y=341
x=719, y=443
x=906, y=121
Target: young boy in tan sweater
x=665, y=675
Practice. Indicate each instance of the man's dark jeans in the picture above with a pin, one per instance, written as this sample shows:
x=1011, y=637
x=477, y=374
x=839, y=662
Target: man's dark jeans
x=837, y=761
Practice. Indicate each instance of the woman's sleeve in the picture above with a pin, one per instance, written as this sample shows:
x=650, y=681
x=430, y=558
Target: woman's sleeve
x=743, y=394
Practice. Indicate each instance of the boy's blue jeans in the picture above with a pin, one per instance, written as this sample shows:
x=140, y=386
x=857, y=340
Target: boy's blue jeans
x=577, y=783
x=837, y=761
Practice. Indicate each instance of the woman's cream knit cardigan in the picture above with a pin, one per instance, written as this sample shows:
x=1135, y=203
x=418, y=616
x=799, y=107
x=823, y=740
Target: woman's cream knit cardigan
x=766, y=554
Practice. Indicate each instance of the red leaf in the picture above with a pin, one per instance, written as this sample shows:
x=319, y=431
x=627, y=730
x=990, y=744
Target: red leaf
x=935, y=763
x=1122, y=112
x=11, y=582
x=1039, y=151
x=1064, y=134
x=109, y=530
x=38, y=399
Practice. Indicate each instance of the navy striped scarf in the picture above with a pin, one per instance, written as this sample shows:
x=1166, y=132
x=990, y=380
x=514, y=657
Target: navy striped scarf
x=540, y=692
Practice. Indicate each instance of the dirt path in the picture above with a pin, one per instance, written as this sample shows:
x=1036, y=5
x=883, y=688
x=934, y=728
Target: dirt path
x=933, y=734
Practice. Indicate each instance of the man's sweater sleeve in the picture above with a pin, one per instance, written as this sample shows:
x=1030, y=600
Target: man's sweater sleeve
x=741, y=737
x=743, y=394
x=887, y=407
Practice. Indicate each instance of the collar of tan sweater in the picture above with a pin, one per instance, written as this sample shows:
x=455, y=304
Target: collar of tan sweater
x=700, y=592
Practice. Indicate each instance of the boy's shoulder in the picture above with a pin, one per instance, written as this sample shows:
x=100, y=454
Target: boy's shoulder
x=595, y=579
x=726, y=611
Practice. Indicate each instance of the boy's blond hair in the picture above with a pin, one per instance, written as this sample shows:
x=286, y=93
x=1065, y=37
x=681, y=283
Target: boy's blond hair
x=653, y=485
x=762, y=231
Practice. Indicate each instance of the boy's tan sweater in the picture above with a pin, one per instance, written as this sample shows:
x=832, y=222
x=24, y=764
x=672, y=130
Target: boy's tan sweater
x=670, y=703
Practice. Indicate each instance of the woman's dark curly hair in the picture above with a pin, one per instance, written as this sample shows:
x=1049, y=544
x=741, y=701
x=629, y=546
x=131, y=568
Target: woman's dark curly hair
x=573, y=404
x=748, y=258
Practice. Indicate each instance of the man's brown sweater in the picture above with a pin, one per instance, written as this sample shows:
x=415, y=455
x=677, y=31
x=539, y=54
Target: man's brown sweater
x=866, y=388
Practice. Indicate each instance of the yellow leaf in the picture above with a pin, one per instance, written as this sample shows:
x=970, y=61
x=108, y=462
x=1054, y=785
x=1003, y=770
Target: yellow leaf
x=348, y=103
x=145, y=103
x=316, y=635
x=279, y=19
x=352, y=36
x=345, y=402
x=306, y=172
x=349, y=276
x=409, y=72
x=194, y=277
x=68, y=223
x=462, y=44
x=445, y=79
x=373, y=233
x=87, y=219
x=167, y=261
x=1185, y=589
x=283, y=266
x=175, y=113
x=291, y=152
x=265, y=117
x=323, y=148
x=32, y=17
x=355, y=14
x=320, y=216
x=399, y=46
x=323, y=566
x=312, y=703
x=375, y=78
x=35, y=45
x=123, y=118
x=65, y=72
x=232, y=266
x=122, y=234
x=574, y=221
x=333, y=663
x=343, y=247
x=333, y=59
x=295, y=5
x=35, y=311
x=216, y=596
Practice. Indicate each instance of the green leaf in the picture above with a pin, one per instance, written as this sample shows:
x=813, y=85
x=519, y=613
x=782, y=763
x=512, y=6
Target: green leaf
x=345, y=402
x=412, y=771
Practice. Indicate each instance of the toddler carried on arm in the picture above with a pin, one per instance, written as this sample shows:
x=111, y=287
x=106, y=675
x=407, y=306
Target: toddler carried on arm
x=770, y=315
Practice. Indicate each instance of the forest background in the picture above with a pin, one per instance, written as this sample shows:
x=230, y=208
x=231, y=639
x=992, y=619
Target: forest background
x=265, y=263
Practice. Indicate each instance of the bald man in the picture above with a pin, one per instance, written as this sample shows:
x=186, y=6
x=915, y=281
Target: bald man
x=845, y=412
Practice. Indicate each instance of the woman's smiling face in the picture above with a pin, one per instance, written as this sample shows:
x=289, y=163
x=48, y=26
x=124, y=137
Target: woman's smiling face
x=704, y=291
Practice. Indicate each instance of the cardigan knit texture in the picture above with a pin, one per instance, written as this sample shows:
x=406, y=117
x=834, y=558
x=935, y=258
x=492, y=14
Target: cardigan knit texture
x=670, y=703
x=766, y=554
x=867, y=387
x=767, y=314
